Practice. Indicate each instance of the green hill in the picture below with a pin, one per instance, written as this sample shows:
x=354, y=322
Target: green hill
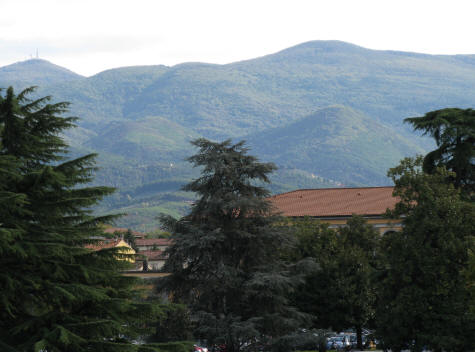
x=148, y=139
x=272, y=91
x=101, y=98
x=140, y=119
x=338, y=143
x=35, y=72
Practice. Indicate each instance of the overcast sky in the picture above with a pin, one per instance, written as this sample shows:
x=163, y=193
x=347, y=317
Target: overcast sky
x=89, y=36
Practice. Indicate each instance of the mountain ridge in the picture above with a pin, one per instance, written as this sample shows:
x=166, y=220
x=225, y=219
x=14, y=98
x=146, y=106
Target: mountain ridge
x=317, y=142
x=36, y=72
x=328, y=113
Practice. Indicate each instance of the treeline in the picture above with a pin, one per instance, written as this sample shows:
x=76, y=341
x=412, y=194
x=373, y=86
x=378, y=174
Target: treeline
x=253, y=281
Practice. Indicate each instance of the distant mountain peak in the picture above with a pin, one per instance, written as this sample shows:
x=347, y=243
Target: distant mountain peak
x=37, y=72
x=37, y=63
x=329, y=44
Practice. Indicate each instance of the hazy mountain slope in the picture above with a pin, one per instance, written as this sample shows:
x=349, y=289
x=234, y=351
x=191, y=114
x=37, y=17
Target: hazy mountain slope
x=100, y=99
x=151, y=139
x=235, y=99
x=338, y=143
x=35, y=72
x=215, y=100
x=271, y=91
x=139, y=119
x=388, y=85
x=376, y=82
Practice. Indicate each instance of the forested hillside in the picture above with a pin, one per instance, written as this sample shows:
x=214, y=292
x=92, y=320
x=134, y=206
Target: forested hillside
x=327, y=113
x=338, y=142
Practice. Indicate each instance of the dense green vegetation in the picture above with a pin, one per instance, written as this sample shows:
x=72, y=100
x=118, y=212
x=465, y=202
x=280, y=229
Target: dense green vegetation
x=424, y=295
x=338, y=142
x=415, y=287
x=234, y=281
x=248, y=283
x=454, y=132
x=57, y=294
x=341, y=294
x=139, y=119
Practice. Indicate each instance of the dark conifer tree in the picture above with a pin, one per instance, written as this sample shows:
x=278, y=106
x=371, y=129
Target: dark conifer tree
x=453, y=130
x=56, y=295
x=130, y=239
x=224, y=261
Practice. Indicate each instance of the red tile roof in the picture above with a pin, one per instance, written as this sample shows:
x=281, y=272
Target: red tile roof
x=153, y=241
x=329, y=202
x=103, y=244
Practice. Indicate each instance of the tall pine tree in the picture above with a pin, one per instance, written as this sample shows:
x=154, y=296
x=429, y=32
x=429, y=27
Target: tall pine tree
x=56, y=294
x=224, y=261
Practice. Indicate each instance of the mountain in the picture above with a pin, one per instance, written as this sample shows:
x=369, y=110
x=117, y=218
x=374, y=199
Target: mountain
x=149, y=139
x=328, y=113
x=338, y=142
x=219, y=101
x=101, y=98
x=35, y=72
x=274, y=90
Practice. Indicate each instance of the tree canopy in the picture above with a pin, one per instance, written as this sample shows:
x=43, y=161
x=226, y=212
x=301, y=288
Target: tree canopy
x=341, y=293
x=225, y=258
x=57, y=295
x=453, y=130
x=423, y=293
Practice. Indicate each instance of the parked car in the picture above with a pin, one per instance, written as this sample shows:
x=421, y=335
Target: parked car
x=353, y=340
x=339, y=342
x=197, y=348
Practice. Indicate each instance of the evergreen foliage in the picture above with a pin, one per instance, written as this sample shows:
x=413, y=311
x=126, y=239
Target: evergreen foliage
x=224, y=261
x=130, y=239
x=174, y=325
x=57, y=295
x=470, y=277
x=424, y=301
x=454, y=132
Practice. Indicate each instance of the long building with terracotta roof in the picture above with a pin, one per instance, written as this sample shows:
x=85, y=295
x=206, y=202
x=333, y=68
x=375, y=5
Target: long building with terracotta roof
x=146, y=244
x=336, y=205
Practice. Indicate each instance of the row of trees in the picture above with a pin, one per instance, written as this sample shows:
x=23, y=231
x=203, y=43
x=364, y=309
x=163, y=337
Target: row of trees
x=251, y=281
